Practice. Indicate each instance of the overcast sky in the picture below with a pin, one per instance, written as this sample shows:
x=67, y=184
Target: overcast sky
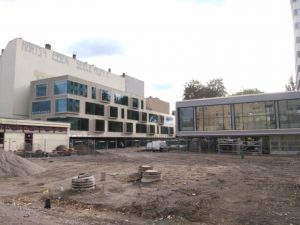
x=165, y=43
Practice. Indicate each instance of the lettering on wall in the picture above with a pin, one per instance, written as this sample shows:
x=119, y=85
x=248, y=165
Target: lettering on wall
x=33, y=49
x=62, y=59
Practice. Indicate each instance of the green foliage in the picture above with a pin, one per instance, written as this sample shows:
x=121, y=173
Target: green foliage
x=291, y=86
x=194, y=89
x=249, y=91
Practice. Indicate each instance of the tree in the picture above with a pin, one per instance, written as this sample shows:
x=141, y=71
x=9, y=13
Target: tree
x=249, y=91
x=194, y=89
x=291, y=86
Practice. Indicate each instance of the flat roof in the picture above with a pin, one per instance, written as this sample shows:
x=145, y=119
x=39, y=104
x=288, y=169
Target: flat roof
x=240, y=99
x=33, y=123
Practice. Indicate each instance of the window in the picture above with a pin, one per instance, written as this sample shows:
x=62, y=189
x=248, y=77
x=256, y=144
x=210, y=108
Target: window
x=70, y=87
x=114, y=126
x=113, y=112
x=169, y=120
x=298, y=54
x=121, y=99
x=297, y=39
x=76, y=123
x=153, y=118
x=142, y=104
x=297, y=25
x=94, y=109
x=100, y=125
x=122, y=113
x=289, y=113
x=164, y=130
x=171, y=130
x=67, y=105
x=186, y=119
x=105, y=96
x=41, y=90
x=161, y=119
x=141, y=128
x=255, y=115
x=93, y=93
x=77, y=88
x=135, y=103
x=129, y=127
x=43, y=107
x=144, y=116
x=60, y=87
x=210, y=118
x=297, y=12
x=151, y=129
x=132, y=115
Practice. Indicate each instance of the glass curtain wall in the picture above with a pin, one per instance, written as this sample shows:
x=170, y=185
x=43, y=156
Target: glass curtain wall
x=186, y=119
x=210, y=118
x=255, y=115
x=289, y=113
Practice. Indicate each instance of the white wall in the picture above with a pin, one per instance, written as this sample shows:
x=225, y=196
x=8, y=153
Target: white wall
x=49, y=142
x=7, y=80
x=13, y=141
x=30, y=62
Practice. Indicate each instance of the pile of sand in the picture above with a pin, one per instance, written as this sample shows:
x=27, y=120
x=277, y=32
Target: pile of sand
x=12, y=165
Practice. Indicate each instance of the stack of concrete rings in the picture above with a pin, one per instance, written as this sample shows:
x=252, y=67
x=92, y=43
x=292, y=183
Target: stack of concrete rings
x=83, y=182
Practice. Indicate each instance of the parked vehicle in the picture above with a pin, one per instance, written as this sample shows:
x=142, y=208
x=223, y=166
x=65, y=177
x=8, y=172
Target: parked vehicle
x=157, y=146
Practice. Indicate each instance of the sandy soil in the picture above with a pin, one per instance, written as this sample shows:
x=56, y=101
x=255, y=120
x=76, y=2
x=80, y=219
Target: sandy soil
x=205, y=189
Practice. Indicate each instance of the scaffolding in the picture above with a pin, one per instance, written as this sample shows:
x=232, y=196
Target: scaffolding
x=236, y=145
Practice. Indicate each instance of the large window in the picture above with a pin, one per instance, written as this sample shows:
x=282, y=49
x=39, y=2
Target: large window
x=161, y=119
x=41, y=90
x=153, y=118
x=144, y=116
x=135, y=102
x=93, y=93
x=186, y=119
x=132, y=115
x=100, y=125
x=70, y=87
x=121, y=99
x=113, y=112
x=289, y=113
x=164, y=130
x=43, y=107
x=94, y=109
x=114, y=126
x=76, y=123
x=151, y=129
x=141, y=128
x=210, y=118
x=60, y=87
x=105, y=95
x=77, y=88
x=255, y=115
x=67, y=105
x=129, y=127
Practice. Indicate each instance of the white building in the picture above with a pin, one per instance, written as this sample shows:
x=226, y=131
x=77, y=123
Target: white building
x=29, y=75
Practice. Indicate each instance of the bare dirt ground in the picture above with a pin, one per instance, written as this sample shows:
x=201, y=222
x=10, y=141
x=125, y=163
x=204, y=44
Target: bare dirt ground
x=204, y=189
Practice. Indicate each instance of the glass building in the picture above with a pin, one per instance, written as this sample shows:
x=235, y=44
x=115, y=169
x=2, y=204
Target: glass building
x=272, y=120
x=98, y=113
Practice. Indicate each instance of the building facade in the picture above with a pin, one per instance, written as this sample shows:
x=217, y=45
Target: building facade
x=43, y=84
x=158, y=105
x=296, y=19
x=272, y=120
x=29, y=135
x=22, y=62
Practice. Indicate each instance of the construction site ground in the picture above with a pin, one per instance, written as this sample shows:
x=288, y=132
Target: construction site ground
x=195, y=188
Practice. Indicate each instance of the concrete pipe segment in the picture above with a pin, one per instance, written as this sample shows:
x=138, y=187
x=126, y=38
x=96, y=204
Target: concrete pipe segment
x=143, y=168
x=150, y=176
x=83, y=182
